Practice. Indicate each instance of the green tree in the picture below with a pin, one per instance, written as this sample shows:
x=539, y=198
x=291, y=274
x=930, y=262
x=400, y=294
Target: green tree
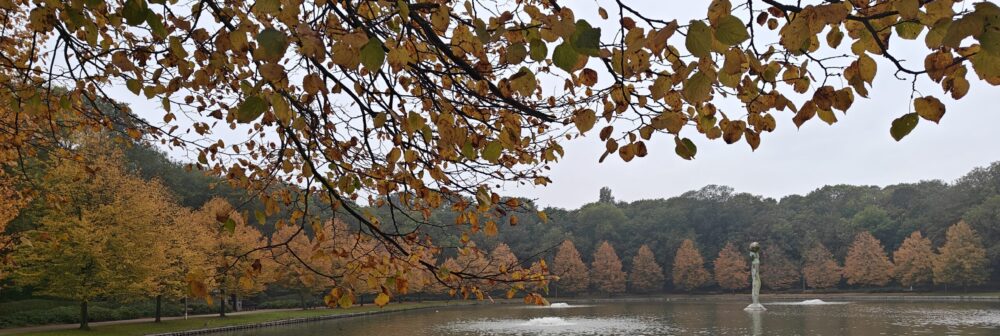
x=984, y=219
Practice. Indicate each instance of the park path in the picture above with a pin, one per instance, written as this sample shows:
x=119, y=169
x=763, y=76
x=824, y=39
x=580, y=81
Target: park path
x=51, y=327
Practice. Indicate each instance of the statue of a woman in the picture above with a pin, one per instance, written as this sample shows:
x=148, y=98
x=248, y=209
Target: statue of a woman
x=755, y=274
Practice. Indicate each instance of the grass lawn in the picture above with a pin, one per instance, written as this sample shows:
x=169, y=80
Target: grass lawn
x=210, y=322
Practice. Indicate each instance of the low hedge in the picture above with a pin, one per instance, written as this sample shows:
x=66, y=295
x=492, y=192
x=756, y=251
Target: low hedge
x=40, y=311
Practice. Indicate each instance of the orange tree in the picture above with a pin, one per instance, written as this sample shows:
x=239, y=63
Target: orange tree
x=866, y=263
x=820, y=268
x=914, y=261
x=646, y=275
x=438, y=99
x=689, y=267
x=573, y=275
x=731, y=271
x=606, y=272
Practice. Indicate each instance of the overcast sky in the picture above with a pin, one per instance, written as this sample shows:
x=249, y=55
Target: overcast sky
x=857, y=150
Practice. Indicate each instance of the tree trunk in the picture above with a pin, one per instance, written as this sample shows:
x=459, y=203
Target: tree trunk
x=84, y=316
x=159, y=304
x=302, y=300
x=222, y=302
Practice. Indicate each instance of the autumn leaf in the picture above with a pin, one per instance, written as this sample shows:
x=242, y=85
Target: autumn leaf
x=685, y=148
x=382, y=299
x=584, y=120
x=929, y=108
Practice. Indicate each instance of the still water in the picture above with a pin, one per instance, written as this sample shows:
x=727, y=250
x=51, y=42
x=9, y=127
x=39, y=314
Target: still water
x=813, y=317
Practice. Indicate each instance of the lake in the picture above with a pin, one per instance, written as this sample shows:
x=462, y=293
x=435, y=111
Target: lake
x=811, y=317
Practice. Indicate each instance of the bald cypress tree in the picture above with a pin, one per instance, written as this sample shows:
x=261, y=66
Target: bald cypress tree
x=867, y=263
x=646, y=275
x=606, y=270
x=569, y=267
x=914, y=261
x=777, y=270
x=689, y=267
x=962, y=260
x=820, y=269
x=731, y=268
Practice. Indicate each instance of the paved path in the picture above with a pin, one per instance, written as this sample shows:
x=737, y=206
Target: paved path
x=50, y=327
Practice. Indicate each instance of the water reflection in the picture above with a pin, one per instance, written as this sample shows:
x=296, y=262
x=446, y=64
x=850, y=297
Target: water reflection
x=758, y=325
x=669, y=318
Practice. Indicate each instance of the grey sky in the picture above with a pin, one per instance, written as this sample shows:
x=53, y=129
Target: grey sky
x=856, y=150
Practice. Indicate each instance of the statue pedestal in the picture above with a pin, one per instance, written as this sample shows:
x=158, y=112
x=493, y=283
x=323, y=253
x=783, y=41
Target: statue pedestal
x=755, y=307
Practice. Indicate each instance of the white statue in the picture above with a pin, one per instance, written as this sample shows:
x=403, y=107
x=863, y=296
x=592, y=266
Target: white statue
x=755, y=273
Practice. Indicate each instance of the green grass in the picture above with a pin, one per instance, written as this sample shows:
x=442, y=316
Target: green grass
x=212, y=322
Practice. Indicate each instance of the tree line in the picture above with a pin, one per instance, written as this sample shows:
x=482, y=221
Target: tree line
x=796, y=230
x=961, y=261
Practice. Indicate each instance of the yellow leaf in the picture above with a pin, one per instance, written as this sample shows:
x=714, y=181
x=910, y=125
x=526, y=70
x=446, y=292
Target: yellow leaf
x=867, y=68
x=491, y=229
x=584, y=120
x=382, y=299
x=827, y=116
x=908, y=9
x=929, y=108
